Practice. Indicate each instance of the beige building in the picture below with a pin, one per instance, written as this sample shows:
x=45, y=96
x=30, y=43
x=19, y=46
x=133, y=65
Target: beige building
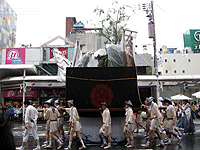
x=179, y=64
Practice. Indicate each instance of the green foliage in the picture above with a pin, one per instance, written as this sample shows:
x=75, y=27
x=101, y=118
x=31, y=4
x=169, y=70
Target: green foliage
x=113, y=23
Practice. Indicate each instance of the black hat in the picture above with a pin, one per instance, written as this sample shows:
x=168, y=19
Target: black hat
x=168, y=100
x=186, y=100
x=128, y=103
x=57, y=101
x=28, y=102
x=148, y=100
x=71, y=102
x=104, y=103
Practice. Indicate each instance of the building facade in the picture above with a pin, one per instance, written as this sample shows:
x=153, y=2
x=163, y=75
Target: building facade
x=89, y=40
x=179, y=64
x=8, y=21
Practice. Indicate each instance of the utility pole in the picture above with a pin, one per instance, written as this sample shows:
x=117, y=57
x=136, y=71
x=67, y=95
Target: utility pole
x=149, y=8
x=155, y=55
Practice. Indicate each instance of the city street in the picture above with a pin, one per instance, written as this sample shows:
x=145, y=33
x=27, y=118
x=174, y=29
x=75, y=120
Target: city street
x=190, y=142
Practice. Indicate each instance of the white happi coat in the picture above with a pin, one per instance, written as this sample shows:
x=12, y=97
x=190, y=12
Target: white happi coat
x=106, y=122
x=154, y=116
x=60, y=117
x=170, y=117
x=52, y=115
x=74, y=118
x=130, y=118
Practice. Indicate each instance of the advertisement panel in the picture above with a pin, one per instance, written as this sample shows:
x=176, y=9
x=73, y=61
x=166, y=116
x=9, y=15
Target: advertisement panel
x=17, y=93
x=15, y=56
x=195, y=39
x=64, y=51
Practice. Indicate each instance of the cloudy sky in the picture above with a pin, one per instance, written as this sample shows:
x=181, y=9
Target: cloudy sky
x=40, y=20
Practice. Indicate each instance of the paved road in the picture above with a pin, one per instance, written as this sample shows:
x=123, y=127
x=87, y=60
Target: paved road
x=190, y=142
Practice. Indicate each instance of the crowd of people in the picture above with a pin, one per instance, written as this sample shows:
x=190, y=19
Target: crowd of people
x=165, y=116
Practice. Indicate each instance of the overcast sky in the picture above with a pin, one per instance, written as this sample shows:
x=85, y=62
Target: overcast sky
x=41, y=20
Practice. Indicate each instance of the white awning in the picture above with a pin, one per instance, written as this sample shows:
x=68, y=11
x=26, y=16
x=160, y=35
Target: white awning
x=17, y=70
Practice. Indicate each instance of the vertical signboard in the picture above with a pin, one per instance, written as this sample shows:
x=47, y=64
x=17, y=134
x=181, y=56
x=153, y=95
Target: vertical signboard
x=15, y=56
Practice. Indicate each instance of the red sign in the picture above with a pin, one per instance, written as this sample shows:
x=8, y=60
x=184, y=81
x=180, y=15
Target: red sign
x=15, y=56
x=64, y=51
x=17, y=93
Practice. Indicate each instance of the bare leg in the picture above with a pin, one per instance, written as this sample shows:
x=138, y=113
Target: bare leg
x=47, y=135
x=54, y=136
x=71, y=135
x=23, y=144
x=150, y=135
x=78, y=135
x=158, y=133
x=131, y=136
x=38, y=142
x=109, y=138
x=125, y=134
x=101, y=134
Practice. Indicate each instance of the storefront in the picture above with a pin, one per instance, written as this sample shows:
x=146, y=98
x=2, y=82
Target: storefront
x=16, y=96
x=56, y=93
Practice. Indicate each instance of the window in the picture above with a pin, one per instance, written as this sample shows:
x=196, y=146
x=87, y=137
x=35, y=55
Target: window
x=166, y=71
x=174, y=71
x=174, y=60
x=189, y=60
x=183, y=71
x=165, y=60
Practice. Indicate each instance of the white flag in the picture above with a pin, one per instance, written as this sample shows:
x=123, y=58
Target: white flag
x=20, y=88
x=77, y=54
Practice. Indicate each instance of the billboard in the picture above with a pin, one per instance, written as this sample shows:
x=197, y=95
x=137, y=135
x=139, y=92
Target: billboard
x=15, y=56
x=192, y=39
x=64, y=51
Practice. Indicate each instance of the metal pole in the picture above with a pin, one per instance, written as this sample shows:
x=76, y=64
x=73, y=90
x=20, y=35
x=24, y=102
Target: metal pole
x=155, y=56
x=24, y=92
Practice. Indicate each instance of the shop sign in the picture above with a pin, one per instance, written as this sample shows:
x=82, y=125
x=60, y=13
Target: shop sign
x=17, y=93
x=15, y=56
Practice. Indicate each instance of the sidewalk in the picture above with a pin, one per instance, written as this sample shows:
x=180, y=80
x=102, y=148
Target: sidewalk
x=196, y=121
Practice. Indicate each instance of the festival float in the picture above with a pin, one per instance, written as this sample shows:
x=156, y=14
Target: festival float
x=106, y=75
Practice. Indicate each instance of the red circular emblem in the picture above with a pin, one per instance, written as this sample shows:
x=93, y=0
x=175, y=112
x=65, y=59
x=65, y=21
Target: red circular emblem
x=101, y=93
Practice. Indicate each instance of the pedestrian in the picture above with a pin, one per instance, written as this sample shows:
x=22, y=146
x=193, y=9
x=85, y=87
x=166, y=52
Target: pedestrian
x=6, y=136
x=31, y=116
x=155, y=117
x=169, y=122
x=48, y=142
x=52, y=115
x=60, y=119
x=130, y=124
x=139, y=121
x=10, y=113
x=187, y=119
x=75, y=125
x=105, y=129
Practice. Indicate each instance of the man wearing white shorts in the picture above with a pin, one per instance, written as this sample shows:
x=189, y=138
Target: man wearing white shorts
x=31, y=116
x=155, y=117
x=106, y=127
x=130, y=124
x=52, y=115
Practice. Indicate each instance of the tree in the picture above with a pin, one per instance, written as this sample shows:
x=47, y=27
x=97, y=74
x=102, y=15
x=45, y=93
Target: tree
x=114, y=21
